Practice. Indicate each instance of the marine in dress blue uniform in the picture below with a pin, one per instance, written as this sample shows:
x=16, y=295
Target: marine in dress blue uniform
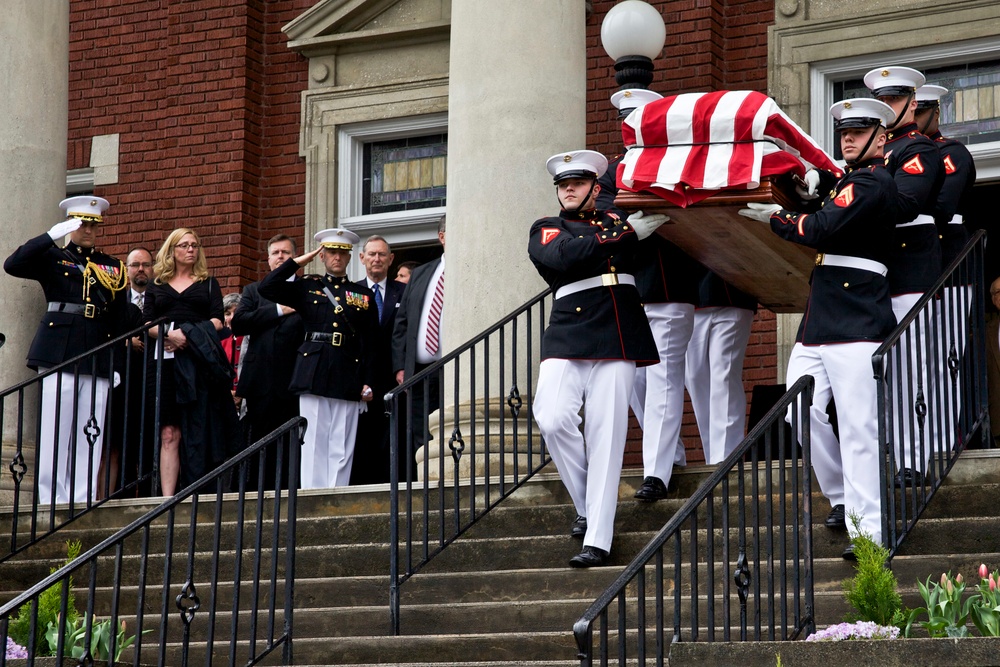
x=597, y=335
x=915, y=264
x=335, y=365
x=86, y=307
x=665, y=277
x=951, y=214
x=848, y=312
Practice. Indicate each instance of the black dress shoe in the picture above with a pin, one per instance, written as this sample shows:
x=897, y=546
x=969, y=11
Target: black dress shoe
x=589, y=557
x=849, y=553
x=835, y=519
x=579, y=527
x=652, y=489
x=909, y=477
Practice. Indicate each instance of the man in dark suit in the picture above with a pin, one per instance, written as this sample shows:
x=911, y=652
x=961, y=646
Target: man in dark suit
x=371, y=448
x=416, y=344
x=275, y=333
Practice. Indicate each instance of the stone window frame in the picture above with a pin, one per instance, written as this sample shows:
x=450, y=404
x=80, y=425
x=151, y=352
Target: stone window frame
x=823, y=75
x=336, y=123
x=397, y=227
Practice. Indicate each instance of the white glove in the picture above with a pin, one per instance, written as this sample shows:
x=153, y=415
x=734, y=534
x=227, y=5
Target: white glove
x=760, y=212
x=644, y=225
x=812, y=184
x=61, y=229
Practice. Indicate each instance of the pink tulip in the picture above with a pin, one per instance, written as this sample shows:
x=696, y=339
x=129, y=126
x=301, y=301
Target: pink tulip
x=958, y=579
x=983, y=572
x=944, y=579
x=993, y=583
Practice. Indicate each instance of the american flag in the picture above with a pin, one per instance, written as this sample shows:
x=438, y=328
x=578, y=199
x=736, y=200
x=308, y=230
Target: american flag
x=686, y=147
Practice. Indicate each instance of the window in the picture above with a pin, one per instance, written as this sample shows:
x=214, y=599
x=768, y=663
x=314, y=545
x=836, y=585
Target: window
x=970, y=112
x=404, y=174
x=392, y=179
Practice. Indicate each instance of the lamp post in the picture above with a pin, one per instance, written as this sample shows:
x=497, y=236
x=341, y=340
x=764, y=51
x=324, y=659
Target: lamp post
x=633, y=33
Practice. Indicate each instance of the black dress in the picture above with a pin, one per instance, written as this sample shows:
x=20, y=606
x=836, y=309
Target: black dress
x=200, y=302
x=191, y=397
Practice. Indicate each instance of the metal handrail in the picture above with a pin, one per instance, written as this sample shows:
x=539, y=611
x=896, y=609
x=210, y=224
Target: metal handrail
x=267, y=549
x=775, y=552
x=931, y=377
x=44, y=511
x=475, y=481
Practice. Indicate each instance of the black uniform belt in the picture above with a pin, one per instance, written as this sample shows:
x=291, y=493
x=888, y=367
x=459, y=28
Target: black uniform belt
x=332, y=338
x=89, y=310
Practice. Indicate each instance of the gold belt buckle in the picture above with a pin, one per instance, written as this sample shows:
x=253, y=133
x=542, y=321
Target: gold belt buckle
x=336, y=338
x=819, y=258
x=89, y=311
x=609, y=279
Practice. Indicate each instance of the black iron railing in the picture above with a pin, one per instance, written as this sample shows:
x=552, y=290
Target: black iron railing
x=227, y=598
x=734, y=563
x=110, y=400
x=481, y=447
x=931, y=376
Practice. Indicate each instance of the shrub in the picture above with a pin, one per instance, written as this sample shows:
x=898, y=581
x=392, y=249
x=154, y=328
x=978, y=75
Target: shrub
x=872, y=591
x=49, y=607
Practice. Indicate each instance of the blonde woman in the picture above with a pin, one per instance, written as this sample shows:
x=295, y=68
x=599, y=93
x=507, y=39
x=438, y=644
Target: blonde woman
x=190, y=438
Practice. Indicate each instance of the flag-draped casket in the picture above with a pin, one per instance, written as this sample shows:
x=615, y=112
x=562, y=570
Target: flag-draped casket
x=699, y=158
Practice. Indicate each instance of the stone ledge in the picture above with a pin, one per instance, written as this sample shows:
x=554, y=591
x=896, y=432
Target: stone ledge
x=968, y=652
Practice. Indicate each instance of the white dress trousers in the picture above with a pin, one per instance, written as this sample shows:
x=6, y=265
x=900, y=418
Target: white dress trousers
x=714, y=377
x=589, y=463
x=659, y=389
x=67, y=446
x=906, y=430
x=328, y=443
x=847, y=470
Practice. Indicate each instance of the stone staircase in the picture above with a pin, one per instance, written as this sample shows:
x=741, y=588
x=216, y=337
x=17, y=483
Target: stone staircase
x=503, y=594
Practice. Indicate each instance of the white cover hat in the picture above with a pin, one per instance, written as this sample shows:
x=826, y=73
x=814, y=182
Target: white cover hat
x=85, y=207
x=337, y=239
x=633, y=98
x=930, y=95
x=861, y=112
x=576, y=164
x=894, y=80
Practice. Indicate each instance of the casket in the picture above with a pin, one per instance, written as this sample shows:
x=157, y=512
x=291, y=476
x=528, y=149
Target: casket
x=744, y=252
x=699, y=158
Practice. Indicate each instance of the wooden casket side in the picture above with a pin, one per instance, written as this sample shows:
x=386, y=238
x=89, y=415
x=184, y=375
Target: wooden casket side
x=744, y=252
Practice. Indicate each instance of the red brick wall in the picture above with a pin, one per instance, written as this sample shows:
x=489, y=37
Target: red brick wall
x=711, y=45
x=205, y=97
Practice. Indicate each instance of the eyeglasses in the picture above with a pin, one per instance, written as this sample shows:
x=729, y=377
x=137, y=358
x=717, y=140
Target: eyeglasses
x=140, y=265
x=185, y=246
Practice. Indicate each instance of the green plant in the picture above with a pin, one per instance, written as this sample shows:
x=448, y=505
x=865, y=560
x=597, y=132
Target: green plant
x=49, y=606
x=101, y=638
x=872, y=591
x=985, y=607
x=947, y=615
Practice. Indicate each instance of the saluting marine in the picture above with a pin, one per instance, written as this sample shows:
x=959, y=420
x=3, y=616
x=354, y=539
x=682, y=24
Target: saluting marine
x=848, y=312
x=83, y=288
x=334, y=368
x=597, y=335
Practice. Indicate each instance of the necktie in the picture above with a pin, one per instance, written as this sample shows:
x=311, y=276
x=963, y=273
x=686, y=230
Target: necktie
x=138, y=300
x=434, y=317
x=378, y=300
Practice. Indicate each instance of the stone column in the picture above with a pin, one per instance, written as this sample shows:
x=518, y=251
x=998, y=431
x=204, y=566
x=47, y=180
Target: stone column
x=34, y=57
x=517, y=95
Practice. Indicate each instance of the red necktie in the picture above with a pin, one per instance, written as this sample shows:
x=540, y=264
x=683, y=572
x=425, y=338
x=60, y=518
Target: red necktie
x=434, y=317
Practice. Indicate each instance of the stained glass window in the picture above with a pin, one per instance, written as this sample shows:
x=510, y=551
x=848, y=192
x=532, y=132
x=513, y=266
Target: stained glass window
x=970, y=112
x=405, y=174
